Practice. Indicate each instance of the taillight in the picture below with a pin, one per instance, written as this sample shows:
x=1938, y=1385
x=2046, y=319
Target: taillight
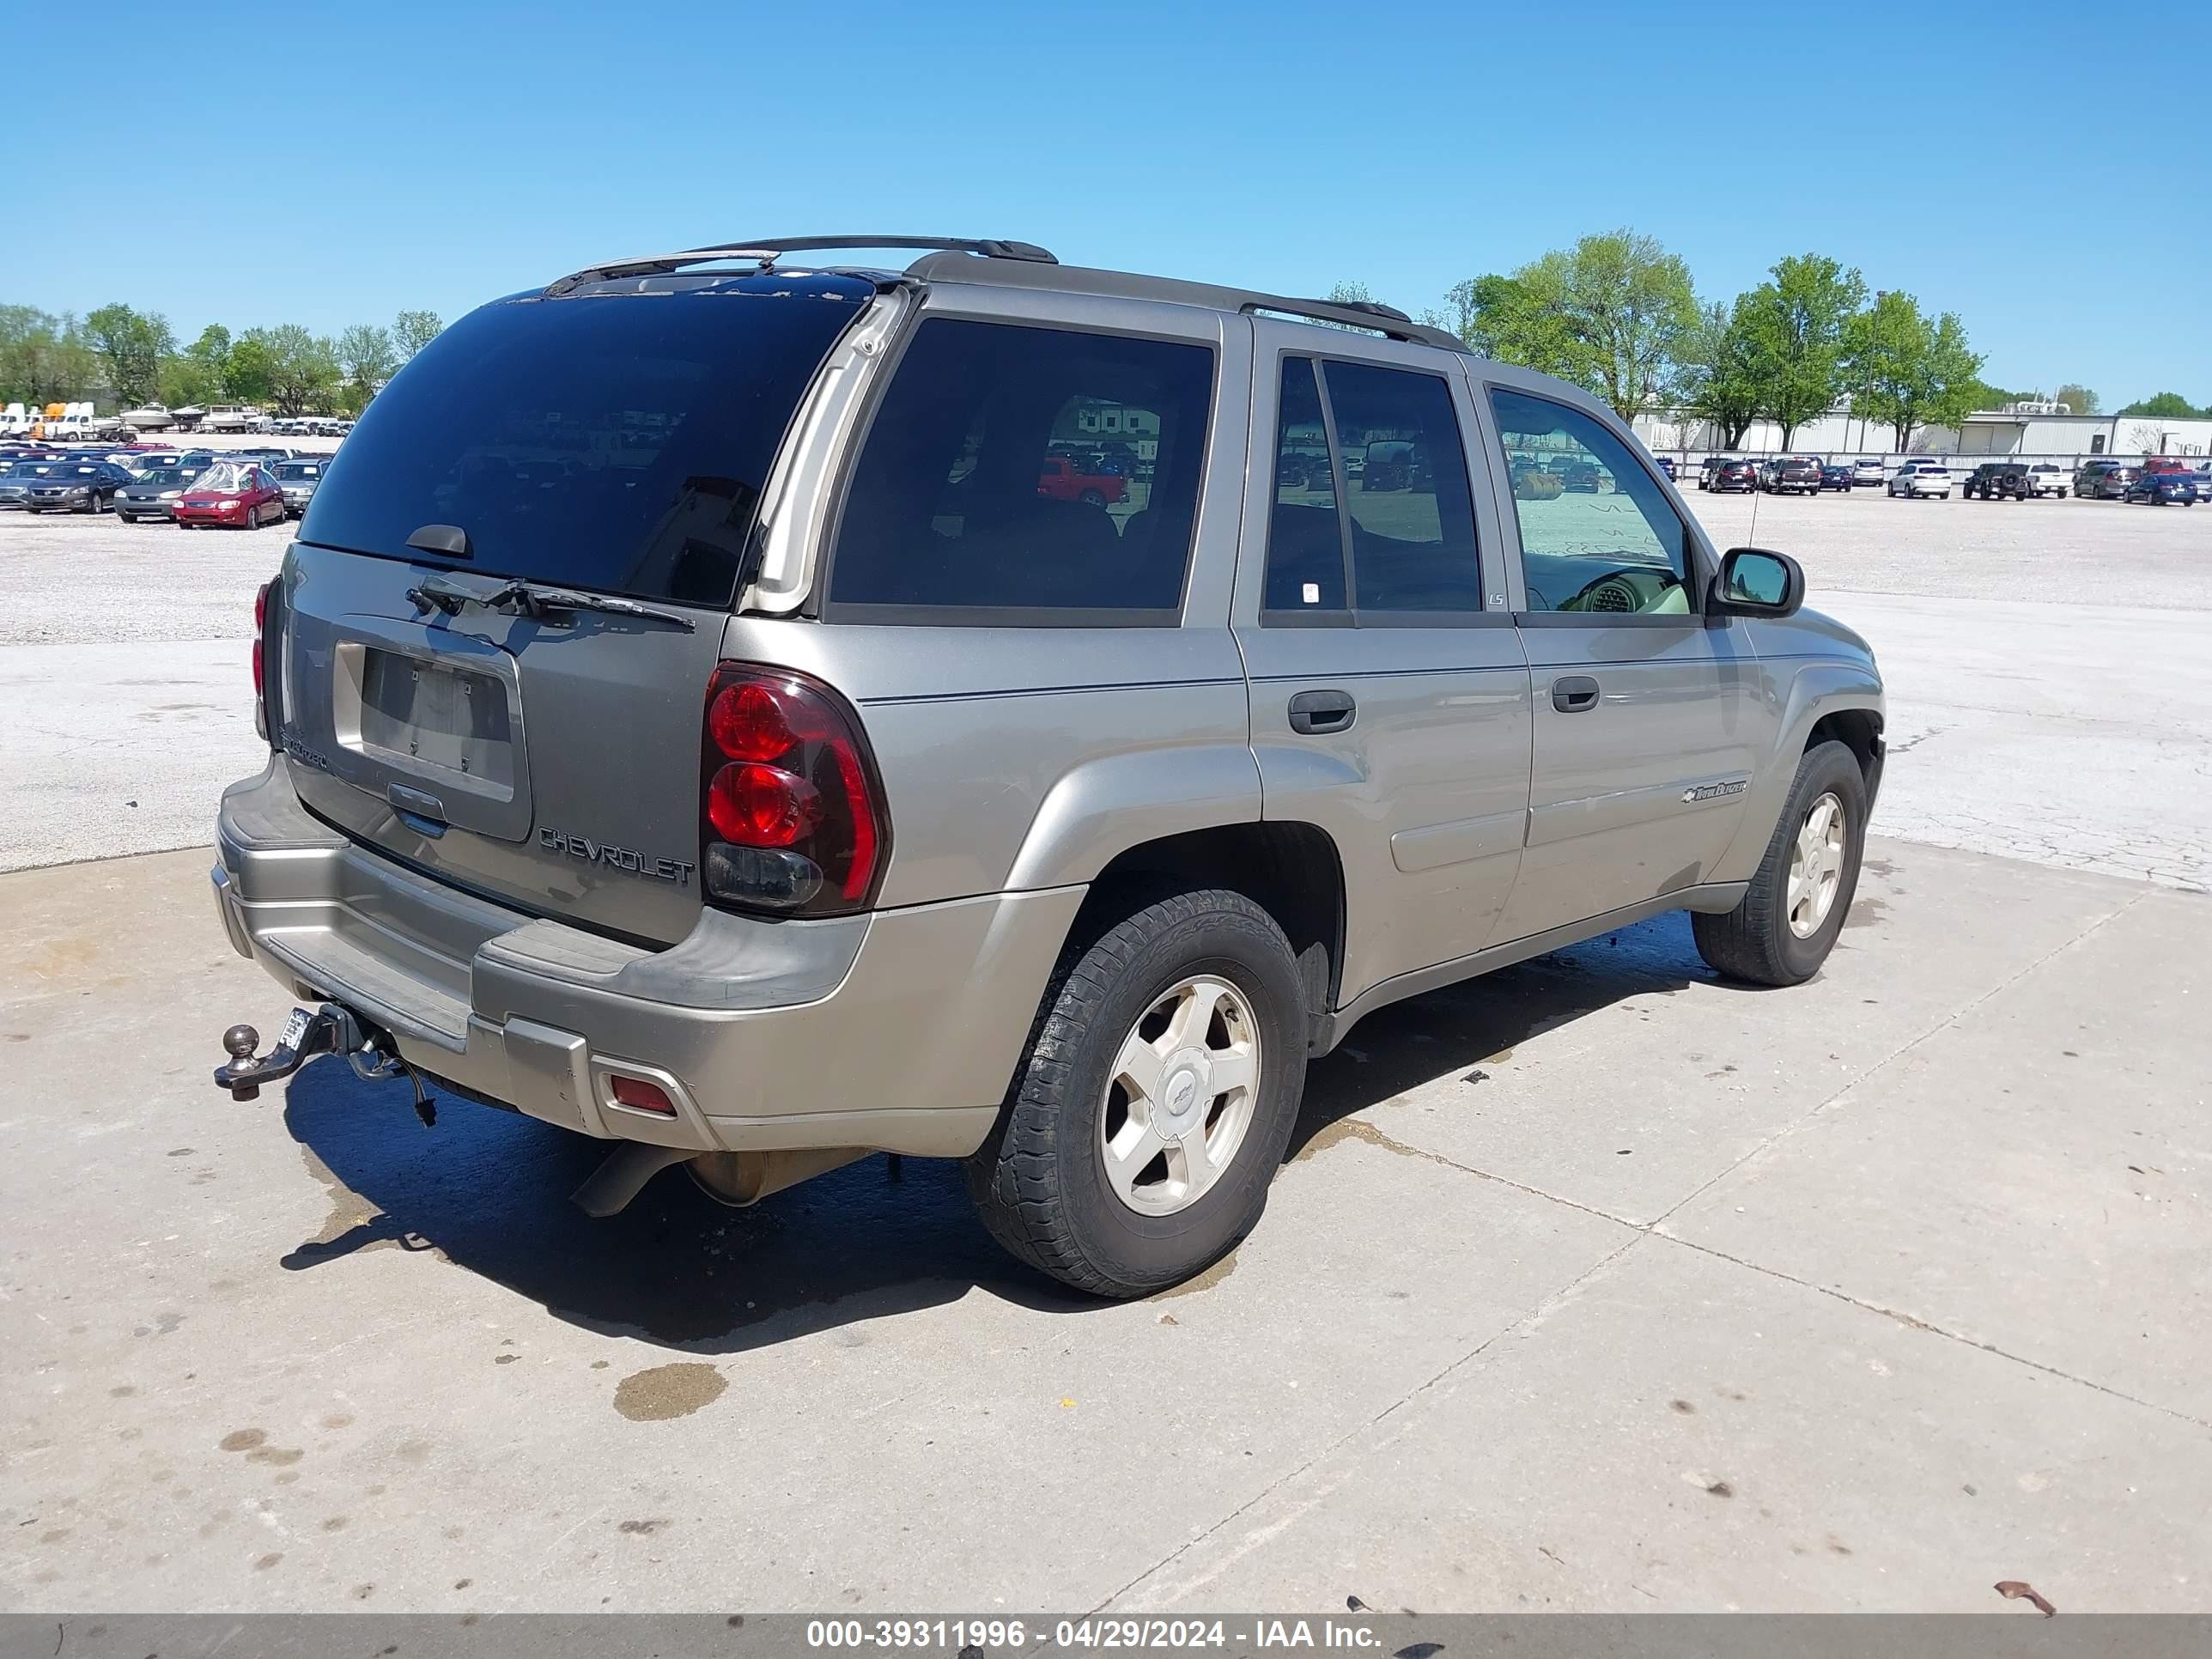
x=793, y=813
x=260, y=671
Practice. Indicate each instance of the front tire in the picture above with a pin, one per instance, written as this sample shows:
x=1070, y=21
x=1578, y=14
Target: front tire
x=1787, y=922
x=1152, y=1105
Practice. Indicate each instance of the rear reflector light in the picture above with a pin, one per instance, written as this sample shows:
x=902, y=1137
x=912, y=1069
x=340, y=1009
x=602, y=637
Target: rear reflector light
x=641, y=1096
x=794, y=822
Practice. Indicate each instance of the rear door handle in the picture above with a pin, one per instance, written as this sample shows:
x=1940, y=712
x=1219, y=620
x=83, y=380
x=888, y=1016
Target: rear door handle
x=1574, y=694
x=1315, y=713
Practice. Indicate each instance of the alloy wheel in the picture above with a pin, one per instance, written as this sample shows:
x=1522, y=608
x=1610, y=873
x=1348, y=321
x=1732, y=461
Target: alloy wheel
x=1180, y=1097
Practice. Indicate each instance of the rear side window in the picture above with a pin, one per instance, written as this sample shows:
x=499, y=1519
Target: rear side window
x=1016, y=474
x=616, y=442
x=1404, y=523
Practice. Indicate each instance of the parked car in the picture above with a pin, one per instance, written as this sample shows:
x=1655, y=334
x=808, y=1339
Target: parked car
x=1916, y=478
x=994, y=893
x=1866, y=470
x=1793, y=475
x=2103, y=480
x=153, y=494
x=75, y=487
x=1997, y=480
x=232, y=492
x=2046, y=478
x=2151, y=488
x=1060, y=480
x=1836, y=476
x=2166, y=463
x=1734, y=476
x=1580, y=477
x=297, y=481
x=1666, y=465
x=16, y=480
x=1707, y=468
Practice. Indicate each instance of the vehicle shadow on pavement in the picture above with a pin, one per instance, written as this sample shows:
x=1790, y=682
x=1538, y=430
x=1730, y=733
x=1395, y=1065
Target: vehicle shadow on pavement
x=488, y=1190
x=1458, y=1030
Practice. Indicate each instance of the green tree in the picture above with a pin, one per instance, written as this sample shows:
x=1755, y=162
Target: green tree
x=302, y=370
x=1908, y=371
x=29, y=339
x=201, y=373
x=413, y=329
x=1795, y=328
x=2164, y=406
x=131, y=348
x=2079, y=398
x=1522, y=319
x=1611, y=315
x=247, y=372
x=369, y=358
x=1719, y=383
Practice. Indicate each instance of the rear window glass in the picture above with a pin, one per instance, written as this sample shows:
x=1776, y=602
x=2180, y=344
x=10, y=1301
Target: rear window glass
x=611, y=442
x=1011, y=472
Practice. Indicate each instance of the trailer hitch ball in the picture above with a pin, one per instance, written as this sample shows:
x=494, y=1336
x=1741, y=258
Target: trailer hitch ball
x=240, y=1041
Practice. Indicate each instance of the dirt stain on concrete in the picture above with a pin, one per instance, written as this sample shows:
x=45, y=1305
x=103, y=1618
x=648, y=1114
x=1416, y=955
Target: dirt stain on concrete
x=1353, y=1128
x=660, y=1393
x=645, y=1528
x=242, y=1440
x=1866, y=912
x=1207, y=1281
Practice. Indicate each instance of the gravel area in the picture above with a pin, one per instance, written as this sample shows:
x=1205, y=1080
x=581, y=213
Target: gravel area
x=2035, y=728
x=2140, y=557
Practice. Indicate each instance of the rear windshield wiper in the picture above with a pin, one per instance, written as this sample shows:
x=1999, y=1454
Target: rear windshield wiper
x=529, y=599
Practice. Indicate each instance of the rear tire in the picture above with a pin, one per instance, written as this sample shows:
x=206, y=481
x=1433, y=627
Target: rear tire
x=1758, y=942
x=1044, y=1182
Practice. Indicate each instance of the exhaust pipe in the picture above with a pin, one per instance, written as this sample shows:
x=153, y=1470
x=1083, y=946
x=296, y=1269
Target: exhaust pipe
x=739, y=1179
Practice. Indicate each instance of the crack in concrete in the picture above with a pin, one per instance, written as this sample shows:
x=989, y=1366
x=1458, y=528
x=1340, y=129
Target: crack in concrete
x=1643, y=1232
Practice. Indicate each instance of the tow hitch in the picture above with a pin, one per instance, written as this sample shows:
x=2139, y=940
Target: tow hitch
x=331, y=1030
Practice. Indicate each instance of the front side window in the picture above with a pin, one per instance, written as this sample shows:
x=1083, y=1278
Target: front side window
x=1405, y=524
x=981, y=488
x=1597, y=534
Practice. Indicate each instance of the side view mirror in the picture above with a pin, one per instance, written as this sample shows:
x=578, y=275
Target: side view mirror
x=1754, y=582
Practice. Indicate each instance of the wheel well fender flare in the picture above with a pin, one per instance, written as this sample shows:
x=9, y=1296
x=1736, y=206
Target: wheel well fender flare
x=1818, y=691
x=1097, y=810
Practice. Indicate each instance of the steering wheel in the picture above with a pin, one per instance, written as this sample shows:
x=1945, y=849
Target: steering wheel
x=1622, y=592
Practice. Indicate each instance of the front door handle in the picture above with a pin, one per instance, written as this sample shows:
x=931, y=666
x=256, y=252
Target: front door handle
x=1574, y=694
x=1317, y=713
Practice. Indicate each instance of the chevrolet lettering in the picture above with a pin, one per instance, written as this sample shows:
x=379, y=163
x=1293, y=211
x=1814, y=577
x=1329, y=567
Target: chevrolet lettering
x=616, y=857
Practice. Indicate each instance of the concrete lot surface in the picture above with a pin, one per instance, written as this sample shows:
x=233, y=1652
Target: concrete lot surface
x=1596, y=1284
x=1593, y=1285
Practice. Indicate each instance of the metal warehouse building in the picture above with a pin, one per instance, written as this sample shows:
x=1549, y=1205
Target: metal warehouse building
x=2040, y=429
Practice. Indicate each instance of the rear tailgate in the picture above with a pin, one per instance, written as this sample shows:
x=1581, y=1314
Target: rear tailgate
x=609, y=443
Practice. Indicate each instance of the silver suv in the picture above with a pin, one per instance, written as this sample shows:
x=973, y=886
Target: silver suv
x=999, y=711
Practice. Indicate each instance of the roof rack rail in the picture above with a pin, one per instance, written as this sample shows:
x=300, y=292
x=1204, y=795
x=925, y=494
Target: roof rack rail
x=1372, y=314
x=765, y=252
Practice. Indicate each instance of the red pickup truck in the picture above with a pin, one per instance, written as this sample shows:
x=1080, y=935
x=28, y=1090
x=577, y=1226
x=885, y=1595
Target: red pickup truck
x=1062, y=480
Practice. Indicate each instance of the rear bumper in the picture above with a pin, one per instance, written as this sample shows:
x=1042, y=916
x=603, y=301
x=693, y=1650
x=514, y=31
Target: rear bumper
x=896, y=1031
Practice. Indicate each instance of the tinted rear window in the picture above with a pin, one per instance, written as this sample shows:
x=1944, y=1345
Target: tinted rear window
x=616, y=442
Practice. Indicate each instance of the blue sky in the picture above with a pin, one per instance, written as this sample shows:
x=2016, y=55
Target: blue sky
x=371, y=157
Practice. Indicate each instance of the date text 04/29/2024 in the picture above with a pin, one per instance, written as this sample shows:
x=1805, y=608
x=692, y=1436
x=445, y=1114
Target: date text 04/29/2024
x=1088, y=1634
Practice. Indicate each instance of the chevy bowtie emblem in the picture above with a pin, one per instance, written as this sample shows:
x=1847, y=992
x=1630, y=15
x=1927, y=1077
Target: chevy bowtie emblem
x=1714, y=790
